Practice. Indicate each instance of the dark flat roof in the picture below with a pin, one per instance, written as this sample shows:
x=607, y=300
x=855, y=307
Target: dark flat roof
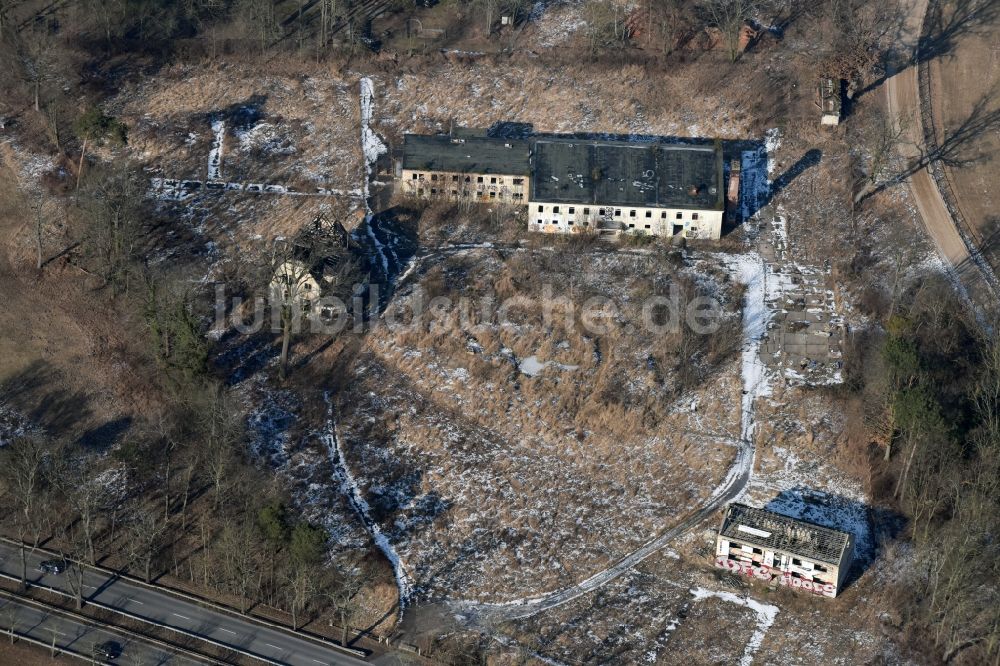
x=777, y=532
x=627, y=174
x=465, y=153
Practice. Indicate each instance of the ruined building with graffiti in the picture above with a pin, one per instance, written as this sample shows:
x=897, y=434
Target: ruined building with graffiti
x=571, y=185
x=775, y=548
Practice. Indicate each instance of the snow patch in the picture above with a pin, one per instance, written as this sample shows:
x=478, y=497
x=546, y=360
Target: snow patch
x=772, y=141
x=532, y=367
x=371, y=145
x=215, y=154
x=751, y=270
x=765, y=618
x=349, y=486
x=266, y=138
x=13, y=424
x=556, y=25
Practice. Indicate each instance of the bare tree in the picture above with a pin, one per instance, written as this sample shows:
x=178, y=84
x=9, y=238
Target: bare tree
x=24, y=478
x=10, y=612
x=877, y=141
x=729, y=16
x=488, y=9
x=343, y=594
x=606, y=27
x=38, y=213
x=76, y=550
x=259, y=19
x=667, y=20
x=112, y=209
x=862, y=31
x=239, y=550
x=291, y=285
x=329, y=12
x=86, y=496
x=303, y=581
x=317, y=263
x=220, y=423
x=145, y=538
x=37, y=55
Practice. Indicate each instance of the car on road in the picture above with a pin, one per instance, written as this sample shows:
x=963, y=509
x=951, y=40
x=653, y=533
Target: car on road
x=108, y=650
x=53, y=566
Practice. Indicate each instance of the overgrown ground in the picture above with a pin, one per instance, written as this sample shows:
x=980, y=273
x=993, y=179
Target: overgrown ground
x=506, y=462
x=501, y=458
x=503, y=462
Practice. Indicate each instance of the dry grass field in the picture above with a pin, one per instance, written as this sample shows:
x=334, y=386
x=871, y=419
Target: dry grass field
x=504, y=459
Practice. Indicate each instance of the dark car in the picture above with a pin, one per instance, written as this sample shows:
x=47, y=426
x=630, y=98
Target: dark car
x=108, y=650
x=53, y=566
x=215, y=185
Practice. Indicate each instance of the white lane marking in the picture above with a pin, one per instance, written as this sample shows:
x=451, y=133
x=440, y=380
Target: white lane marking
x=273, y=646
x=136, y=601
x=319, y=662
x=228, y=631
x=183, y=617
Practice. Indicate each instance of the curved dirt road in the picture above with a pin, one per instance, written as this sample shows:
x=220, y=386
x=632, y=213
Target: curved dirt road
x=479, y=614
x=752, y=271
x=902, y=100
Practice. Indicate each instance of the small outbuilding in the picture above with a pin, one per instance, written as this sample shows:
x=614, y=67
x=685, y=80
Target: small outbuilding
x=795, y=553
x=830, y=101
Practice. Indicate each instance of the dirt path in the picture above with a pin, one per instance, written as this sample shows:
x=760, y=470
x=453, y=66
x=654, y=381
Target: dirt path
x=902, y=99
x=749, y=269
x=482, y=614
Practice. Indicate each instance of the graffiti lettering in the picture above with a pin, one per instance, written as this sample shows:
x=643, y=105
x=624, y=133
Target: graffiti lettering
x=766, y=574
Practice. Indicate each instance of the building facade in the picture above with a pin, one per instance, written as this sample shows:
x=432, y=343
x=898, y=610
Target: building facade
x=771, y=547
x=310, y=266
x=614, y=188
x=465, y=165
x=575, y=186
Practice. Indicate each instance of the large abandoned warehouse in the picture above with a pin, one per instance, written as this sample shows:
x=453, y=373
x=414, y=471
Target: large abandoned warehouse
x=571, y=185
x=772, y=547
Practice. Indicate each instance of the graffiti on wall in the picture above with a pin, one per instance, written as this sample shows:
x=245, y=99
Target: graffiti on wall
x=767, y=574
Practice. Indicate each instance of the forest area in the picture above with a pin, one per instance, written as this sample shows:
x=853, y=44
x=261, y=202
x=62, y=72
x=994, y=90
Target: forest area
x=168, y=492
x=927, y=388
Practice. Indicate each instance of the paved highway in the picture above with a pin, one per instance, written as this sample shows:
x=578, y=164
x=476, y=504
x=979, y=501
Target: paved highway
x=77, y=636
x=229, y=630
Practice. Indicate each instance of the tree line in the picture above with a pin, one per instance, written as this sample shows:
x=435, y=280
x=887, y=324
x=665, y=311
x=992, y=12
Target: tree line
x=181, y=498
x=933, y=375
